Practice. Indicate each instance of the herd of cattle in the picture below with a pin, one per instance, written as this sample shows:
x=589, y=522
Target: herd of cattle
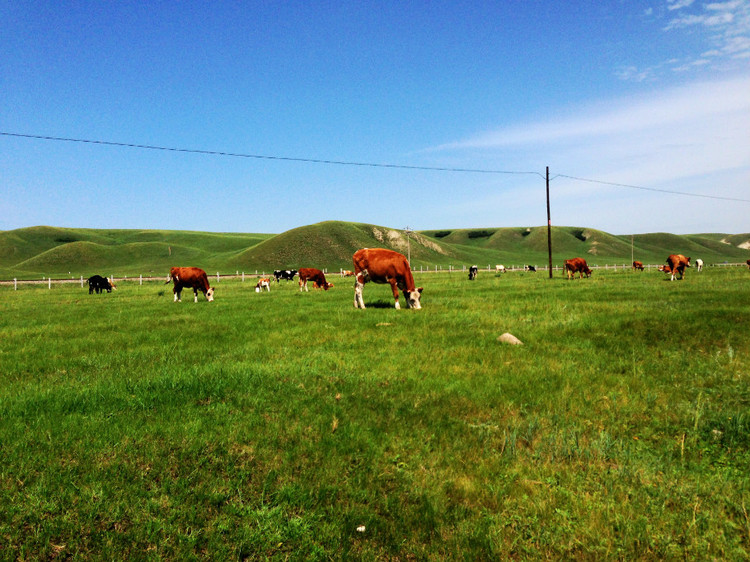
x=377, y=265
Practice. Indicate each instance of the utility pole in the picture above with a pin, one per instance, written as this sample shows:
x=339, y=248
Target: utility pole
x=549, y=229
x=408, y=244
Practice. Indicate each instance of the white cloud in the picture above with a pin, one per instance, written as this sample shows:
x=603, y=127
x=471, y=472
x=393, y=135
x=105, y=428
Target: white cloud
x=678, y=4
x=687, y=139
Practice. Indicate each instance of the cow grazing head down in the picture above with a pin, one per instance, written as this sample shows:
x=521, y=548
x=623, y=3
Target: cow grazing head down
x=193, y=278
x=385, y=266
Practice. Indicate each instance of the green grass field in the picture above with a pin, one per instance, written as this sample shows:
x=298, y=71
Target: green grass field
x=275, y=425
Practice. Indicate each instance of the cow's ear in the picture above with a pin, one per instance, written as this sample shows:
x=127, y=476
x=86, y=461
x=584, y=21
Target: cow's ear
x=420, y=290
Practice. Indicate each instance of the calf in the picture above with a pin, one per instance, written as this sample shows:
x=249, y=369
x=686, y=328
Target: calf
x=316, y=276
x=385, y=266
x=263, y=283
x=473, y=270
x=677, y=264
x=98, y=283
x=576, y=265
x=193, y=278
x=638, y=265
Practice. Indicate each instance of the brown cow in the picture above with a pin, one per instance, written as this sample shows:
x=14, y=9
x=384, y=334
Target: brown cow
x=665, y=269
x=192, y=277
x=576, y=265
x=315, y=275
x=677, y=263
x=385, y=266
x=638, y=265
x=347, y=273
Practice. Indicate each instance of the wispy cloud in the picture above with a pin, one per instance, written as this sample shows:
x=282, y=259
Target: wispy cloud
x=723, y=35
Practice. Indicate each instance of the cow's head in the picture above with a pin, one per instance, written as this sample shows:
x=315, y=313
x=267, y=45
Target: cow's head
x=210, y=294
x=327, y=286
x=412, y=298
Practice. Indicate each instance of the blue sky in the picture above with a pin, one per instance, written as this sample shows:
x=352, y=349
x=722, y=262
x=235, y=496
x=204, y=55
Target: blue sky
x=650, y=94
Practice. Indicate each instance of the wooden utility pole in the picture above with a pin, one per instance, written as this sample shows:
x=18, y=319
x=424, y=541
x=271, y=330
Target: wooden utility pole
x=408, y=245
x=549, y=229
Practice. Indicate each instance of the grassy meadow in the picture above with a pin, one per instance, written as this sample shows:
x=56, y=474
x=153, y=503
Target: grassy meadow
x=284, y=425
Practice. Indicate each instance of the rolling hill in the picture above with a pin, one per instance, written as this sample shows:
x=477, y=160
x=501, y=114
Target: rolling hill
x=40, y=251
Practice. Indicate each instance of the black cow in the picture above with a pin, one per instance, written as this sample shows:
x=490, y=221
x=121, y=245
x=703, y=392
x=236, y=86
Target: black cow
x=473, y=272
x=98, y=283
x=529, y=268
x=287, y=274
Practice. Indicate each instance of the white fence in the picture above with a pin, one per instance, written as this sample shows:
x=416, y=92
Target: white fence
x=421, y=269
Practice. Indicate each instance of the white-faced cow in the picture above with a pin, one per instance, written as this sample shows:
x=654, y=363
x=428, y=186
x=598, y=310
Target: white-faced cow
x=193, y=278
x=576, y=265
x=638, y=265
x=316, y=276
x=699, y=264
x=287, y=274
x=529, y=268
x=263, y=283
x=499, y=268
x=98, y=283
x=677, y=264
x=385, y=266
x=473, y=270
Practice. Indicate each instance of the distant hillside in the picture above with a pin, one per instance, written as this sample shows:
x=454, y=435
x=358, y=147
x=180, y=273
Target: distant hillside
x=61, y=252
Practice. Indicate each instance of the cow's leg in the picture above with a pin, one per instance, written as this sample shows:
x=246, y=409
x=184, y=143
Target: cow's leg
x=394, y=288
x=177, y=295
x=195, y=294
x=358, y=300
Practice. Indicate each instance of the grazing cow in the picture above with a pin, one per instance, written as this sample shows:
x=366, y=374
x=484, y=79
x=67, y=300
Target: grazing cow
x=287, y=274
x=263, y=283
x=699, y=264
x=98, y=283
x=529, y=268
x=316, y=276
x=638, y=265
x=385, y=266
x=347, y=273
x=499, y=269
x=473, y=270
x=677, y=264
x=193, y=278
x=576, y=265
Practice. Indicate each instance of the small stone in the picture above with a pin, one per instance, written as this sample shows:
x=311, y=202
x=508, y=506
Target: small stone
x=509, y=338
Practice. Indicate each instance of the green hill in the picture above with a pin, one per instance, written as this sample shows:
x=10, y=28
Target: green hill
x=61, y=252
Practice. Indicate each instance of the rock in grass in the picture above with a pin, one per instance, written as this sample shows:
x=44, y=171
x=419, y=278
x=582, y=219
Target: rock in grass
x=509, y=338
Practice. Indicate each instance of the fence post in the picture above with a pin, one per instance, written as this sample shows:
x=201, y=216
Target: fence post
x=81, y=281
x=217, y=276
x=243, y=276
x=15, y=284
x=49, y=282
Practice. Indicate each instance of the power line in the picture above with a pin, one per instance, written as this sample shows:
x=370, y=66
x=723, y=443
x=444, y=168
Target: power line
x=266, y=157
x=360, y=164
x=652, y=189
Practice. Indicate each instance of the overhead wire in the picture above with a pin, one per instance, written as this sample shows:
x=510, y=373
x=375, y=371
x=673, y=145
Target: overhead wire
x=360, y=164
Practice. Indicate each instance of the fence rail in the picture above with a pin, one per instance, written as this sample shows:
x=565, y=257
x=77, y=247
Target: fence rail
x=49, y=281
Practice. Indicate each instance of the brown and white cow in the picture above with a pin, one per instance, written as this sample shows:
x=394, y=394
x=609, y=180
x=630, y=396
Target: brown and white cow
x=192, y=277
x=665, y=269
x=638, y=265
x=315, y=275
x=677, y=264
x=576, y=265
x=263, y=283
x=385, y=266
x=347, y=273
